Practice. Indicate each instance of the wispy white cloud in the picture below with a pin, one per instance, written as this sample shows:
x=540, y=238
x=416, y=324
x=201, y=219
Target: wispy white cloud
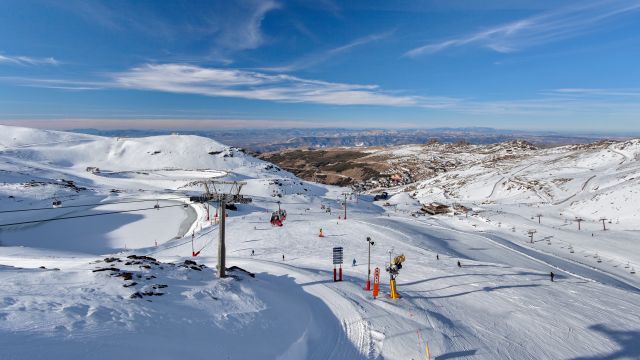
x=316, y=58
x=550, y=26
x=238, y=25
x=557, y=103
x=227, y=26
x=223, y=82
x=27, y=60
x=595, y=92
x=60, y=84
x=285, y=88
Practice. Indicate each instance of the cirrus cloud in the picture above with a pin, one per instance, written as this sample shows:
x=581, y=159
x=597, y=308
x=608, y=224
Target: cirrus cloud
x=27, y=60
x=236, y=83
x=553, y=25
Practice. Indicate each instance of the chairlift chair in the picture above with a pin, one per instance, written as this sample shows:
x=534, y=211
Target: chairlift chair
x=157, y=206
x=56, y=203
x=275, y=219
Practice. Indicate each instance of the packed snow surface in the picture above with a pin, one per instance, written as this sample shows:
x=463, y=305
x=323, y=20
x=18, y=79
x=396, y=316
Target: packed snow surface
x=109, y=274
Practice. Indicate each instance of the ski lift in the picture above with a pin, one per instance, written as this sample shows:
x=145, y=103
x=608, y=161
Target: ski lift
x=157, y=205
x=56, y=203
x=277, y=217
x=633, y=270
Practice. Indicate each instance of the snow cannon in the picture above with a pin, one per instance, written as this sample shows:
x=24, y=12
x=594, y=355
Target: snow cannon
x=394, y=269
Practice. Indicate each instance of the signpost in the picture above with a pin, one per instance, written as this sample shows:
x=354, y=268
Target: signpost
x=337, y=260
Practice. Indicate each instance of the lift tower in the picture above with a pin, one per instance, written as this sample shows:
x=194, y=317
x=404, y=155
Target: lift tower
x=213, y=191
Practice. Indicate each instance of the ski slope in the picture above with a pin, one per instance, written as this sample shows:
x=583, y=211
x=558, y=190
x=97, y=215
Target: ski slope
x=500, y=304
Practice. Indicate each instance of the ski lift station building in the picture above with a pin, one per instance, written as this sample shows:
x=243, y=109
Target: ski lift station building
x=435, y=208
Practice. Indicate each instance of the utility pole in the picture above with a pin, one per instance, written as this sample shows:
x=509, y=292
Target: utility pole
x=345, y=205
x=579, y=220
x=604, y=227
x=368, y=287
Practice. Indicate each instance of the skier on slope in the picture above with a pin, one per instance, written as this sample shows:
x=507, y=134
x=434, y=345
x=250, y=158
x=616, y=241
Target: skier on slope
x=459, y=265
x=552, y=275
x=354, y=262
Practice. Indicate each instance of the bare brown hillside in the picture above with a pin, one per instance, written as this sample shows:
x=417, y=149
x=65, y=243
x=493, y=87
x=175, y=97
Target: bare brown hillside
x=374, y=167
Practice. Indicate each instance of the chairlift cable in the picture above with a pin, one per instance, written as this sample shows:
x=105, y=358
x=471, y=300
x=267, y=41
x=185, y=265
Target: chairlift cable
x=86, y=215
x=85, y=205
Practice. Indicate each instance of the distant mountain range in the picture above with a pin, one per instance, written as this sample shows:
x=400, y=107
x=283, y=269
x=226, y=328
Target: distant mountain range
x=265, y=140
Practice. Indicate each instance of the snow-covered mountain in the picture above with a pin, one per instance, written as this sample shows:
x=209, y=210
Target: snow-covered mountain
x=108, y=274
x=587, y=180
x=38, y=167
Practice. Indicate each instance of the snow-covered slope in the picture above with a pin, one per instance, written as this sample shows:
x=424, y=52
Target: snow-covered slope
x=38, y=167
x=83, y=284
x=585, y=180
x=168, y=158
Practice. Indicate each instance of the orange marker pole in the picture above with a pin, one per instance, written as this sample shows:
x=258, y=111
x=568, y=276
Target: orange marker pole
x=376, y=282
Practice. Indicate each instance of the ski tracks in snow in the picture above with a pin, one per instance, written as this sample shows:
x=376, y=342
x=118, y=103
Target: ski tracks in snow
x=354, y=338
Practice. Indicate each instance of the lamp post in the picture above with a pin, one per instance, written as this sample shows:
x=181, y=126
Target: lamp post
x=368, y=286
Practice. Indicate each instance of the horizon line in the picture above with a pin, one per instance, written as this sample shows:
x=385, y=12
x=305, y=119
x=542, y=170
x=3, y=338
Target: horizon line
x=171, y=125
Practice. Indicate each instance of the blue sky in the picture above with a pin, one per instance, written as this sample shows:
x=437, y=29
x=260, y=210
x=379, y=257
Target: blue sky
x=515, y=64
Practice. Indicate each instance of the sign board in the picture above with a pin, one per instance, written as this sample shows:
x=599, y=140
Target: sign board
x=337, y=255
